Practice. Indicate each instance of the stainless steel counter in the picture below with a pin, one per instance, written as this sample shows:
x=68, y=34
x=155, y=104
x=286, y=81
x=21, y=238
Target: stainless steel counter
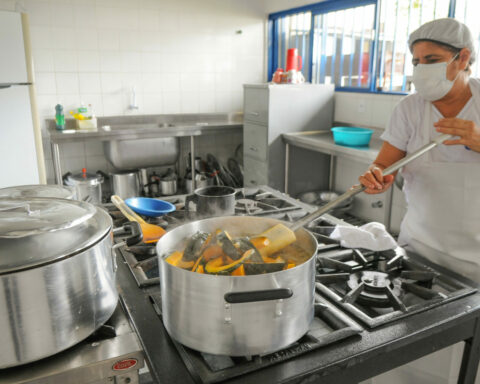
x=143, y=127
x=322, y=141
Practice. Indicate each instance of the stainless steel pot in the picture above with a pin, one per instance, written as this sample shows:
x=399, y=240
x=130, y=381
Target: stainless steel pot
x=126, y=184
x=57, y=276
x=168, y=187
x=236, y=315
x=212, y=201
x=88, y=187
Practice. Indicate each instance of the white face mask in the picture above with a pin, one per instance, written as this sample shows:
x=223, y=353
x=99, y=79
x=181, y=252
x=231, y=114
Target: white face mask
x=431, y=80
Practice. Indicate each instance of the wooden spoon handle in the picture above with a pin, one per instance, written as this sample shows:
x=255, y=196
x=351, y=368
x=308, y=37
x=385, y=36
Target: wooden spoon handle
x=129, y=214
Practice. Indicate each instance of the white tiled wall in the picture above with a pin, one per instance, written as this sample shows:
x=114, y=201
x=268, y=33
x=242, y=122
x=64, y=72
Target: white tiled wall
x=182, y=56
x=364, y=109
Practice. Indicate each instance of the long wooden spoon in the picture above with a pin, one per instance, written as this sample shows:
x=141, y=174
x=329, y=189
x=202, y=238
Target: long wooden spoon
x=151, y=232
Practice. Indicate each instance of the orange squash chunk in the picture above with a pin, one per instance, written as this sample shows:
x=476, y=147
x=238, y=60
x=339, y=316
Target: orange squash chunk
x=260, y=242
x=174, y=258
x=240, y=271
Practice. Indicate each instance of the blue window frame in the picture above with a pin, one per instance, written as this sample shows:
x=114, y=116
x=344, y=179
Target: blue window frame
x=360, y=45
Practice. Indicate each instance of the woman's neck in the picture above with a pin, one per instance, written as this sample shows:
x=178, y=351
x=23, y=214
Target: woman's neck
x=455, y=100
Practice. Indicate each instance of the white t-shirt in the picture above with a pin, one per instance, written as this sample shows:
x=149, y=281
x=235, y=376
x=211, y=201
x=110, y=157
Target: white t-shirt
x=404, y=130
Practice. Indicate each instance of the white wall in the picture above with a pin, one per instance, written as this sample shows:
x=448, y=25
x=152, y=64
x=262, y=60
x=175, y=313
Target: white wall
x=182, y=56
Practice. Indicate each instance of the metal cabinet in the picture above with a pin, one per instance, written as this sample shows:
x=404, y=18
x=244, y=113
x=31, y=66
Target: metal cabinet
x=271, y=110
x=369, y=207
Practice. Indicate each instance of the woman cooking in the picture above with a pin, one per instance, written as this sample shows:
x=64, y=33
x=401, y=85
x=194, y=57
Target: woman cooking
x=442, y=187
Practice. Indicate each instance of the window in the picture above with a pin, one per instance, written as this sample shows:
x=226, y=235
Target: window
x=397, y=20
x=293, y=32
x=361, y=44
x=342, y=43
x=467, y=12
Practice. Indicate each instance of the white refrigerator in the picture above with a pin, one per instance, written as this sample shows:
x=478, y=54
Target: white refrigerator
x=21, y=151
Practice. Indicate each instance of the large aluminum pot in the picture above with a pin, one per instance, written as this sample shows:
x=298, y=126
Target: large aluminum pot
x=236, y=315
x=57, y=276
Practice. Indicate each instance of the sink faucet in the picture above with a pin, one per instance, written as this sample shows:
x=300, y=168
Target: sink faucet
x=133, y=105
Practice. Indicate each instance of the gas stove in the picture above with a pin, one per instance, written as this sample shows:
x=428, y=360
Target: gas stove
x=112, y=354
x=354, y=287
x=380, y=287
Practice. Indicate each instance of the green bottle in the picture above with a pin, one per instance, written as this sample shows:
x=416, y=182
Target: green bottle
x=59, y=118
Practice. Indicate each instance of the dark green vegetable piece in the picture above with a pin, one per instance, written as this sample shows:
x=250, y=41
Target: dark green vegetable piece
x=223, y=239
x=259, y=268
x=244, y=245
x=194, y=245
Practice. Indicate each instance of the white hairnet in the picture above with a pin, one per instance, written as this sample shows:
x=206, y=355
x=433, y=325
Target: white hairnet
x=446, y=31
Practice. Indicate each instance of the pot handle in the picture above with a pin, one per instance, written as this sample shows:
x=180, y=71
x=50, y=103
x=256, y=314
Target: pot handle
x=132, y=230
x=188, y=199
x=252, y=296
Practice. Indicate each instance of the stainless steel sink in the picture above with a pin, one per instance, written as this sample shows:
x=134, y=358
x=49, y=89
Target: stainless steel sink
x=137, y=127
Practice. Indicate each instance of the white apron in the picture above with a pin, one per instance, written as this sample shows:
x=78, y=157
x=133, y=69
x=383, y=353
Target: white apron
x=443, y=217
x=443, y=224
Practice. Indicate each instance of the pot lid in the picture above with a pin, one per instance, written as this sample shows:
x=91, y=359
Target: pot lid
x=37, y=190
x=84, y=178
x=36, y=231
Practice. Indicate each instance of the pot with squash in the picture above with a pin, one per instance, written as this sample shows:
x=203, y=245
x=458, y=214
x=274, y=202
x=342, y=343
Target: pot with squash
x=237, y=285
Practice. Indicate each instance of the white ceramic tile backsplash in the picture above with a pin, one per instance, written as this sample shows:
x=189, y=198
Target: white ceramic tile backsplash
x=364, y=109
x=182, y=41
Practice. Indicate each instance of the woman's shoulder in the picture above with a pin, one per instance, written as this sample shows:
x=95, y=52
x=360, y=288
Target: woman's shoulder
x=410, y=105
x=474, y=82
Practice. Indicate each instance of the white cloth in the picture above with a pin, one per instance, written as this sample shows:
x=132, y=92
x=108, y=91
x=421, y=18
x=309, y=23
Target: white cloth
x=371, y=236
x=448, y=31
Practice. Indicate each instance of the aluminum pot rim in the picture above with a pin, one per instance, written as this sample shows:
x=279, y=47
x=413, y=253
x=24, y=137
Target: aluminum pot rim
x=199, y=190
x=162, y=255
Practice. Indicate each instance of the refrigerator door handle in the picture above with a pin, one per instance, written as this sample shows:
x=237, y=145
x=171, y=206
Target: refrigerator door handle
x=9, y=85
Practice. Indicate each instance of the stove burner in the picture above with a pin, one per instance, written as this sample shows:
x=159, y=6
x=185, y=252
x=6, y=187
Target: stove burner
x=373, y=288
x=375, y=281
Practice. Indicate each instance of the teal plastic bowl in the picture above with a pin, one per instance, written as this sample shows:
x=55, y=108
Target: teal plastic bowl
x=352, y=136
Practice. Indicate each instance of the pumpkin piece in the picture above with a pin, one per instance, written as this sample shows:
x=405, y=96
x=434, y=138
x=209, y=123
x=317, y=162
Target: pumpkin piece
x=194, y=245
x=213, y=264
x=214, y=267
x=240, y=271
x=225, y=241
x=260, y=242
x=174, y=258
x=289, y=265
x=212, y=251
x=244, y=245
x=200, y=269
x=267, y=259
x=185, y=264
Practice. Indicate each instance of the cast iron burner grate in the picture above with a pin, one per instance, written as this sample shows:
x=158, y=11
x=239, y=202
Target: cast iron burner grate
x=329, y=325
x=379, y=287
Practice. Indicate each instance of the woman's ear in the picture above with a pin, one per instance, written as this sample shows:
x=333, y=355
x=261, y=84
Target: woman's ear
x=464, y=58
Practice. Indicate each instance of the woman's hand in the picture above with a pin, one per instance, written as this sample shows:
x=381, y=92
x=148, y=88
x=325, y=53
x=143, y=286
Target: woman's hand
x=467, y=130
x=374, y=181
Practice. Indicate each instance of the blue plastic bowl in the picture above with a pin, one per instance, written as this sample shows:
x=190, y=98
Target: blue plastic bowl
x=352, y=136
x=149, y=207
